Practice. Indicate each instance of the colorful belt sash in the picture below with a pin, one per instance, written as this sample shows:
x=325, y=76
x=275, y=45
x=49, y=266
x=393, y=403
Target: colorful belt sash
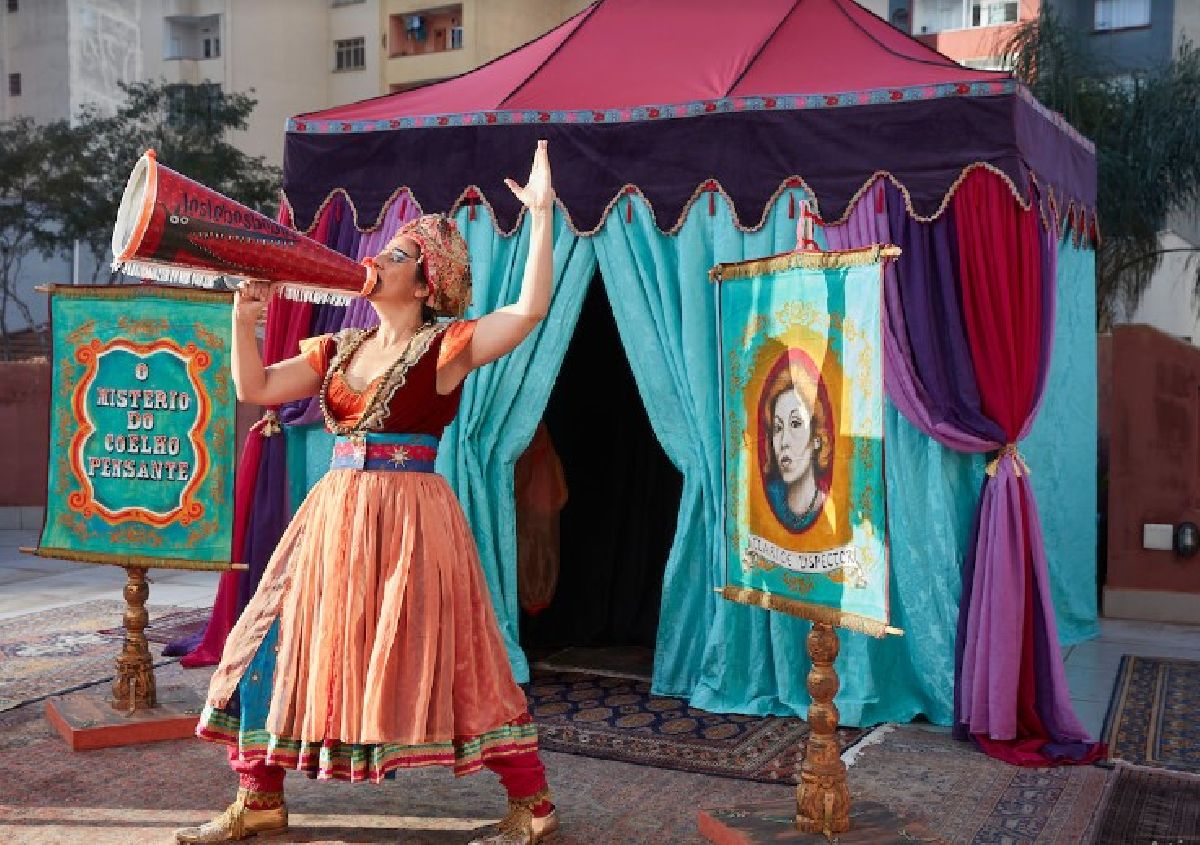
x=393, y=452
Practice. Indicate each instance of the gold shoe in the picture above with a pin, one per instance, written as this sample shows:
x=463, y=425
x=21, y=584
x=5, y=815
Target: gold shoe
x=521, y=826
x=239, y=822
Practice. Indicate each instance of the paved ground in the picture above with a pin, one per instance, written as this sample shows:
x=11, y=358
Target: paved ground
x=29, y=584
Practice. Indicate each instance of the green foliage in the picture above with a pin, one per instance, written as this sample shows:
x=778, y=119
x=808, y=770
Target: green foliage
x=61, y=182
x=1146, y=127
x=188, y=126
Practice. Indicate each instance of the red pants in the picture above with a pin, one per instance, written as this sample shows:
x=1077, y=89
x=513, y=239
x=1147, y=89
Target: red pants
x=522, y=775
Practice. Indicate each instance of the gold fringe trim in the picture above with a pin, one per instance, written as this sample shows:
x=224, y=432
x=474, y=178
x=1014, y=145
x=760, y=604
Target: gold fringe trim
x=794, y=181
x=811, y=612
x=807, y=260
x=125, y=292
x=133, y=560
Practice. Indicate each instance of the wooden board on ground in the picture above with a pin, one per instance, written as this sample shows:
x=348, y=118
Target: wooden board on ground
x=752, y=824
x=87, y=720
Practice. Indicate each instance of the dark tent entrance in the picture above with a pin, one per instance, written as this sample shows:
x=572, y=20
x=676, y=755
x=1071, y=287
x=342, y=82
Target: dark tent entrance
x=618, y=523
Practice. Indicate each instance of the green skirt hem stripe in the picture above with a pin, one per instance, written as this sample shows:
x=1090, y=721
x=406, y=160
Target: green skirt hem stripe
x=358, y=761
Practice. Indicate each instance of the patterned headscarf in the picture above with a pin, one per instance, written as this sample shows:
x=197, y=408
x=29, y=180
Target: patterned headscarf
x=444, y=256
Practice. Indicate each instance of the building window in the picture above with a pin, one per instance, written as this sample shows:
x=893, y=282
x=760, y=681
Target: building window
x=994, y=12
x=14, y=85
x=426, y=31
x=350, y=54
x=191, y=37
x=940, y=15
x=14, y=5
x=1122, y=14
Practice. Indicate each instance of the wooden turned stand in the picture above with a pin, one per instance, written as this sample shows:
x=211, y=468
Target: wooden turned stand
x=823, y=799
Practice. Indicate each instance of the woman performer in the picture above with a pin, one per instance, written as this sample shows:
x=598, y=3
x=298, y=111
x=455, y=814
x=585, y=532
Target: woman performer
x=371, y=644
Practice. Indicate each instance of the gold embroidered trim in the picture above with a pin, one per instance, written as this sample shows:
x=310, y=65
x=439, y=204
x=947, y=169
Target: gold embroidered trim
x=830, y=260
x=704, y=186
x=533, y=800
x=812, y=612
x=383, y=209
x=133, y=560
x=183, y=294
x=348, y=341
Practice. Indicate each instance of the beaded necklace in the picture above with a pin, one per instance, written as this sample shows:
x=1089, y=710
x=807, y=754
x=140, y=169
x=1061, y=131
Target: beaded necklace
x=391, y=381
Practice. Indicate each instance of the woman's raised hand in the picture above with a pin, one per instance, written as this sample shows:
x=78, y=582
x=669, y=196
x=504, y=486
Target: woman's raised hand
x=250, y=300
x=538, y=193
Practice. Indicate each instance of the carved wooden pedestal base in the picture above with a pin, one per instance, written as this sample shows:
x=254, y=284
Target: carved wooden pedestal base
x=131, y=711
x=133, y=687
x=822, y=811
x=823, y=799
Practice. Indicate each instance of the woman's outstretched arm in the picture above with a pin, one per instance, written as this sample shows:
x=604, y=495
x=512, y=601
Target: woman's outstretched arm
x=285, y=381
x=499, y=332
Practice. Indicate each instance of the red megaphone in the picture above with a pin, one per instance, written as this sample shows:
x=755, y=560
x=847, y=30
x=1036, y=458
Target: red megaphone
x=172, y=229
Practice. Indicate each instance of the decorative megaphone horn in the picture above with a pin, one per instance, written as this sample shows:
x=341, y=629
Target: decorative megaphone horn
x=174, y=230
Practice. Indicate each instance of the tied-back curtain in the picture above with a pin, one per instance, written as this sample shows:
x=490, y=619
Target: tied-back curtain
x=503, y=401
x=970, y=315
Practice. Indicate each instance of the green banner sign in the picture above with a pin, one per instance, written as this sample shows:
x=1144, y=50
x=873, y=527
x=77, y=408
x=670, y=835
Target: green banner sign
x=141, y=426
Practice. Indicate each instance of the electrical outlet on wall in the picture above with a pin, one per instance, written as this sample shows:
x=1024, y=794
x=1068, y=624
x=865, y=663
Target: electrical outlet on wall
x=1158, y=536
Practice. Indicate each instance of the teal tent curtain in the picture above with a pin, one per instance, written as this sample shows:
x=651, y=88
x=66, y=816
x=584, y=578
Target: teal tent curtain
x=1061, y=448
x=723, y=656
x=728, y=657
x=664, y=309
x=502, y=402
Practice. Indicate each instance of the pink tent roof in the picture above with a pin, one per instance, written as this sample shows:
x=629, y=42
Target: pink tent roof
x=679, y=97
x=619, y=54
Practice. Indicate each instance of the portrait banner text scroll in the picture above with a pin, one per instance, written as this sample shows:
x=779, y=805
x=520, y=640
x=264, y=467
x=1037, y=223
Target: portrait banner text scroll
x=141, y=426
x=801, y=369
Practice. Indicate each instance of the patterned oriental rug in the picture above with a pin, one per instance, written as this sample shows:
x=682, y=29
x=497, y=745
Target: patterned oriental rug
x=1152, y=716
x=612, y=718
x=1144, y=806
x=60, y=650
x=964, y=796
x=171, y=626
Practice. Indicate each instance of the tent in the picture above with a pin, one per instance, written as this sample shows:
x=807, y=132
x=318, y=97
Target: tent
x=686, y=132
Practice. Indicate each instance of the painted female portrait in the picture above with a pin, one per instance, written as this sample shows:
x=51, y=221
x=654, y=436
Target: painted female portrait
x=795, y=441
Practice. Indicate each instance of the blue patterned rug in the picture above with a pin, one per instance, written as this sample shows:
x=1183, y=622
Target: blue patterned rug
x=1152, y=716
x=613, y=718
x=1149, y=806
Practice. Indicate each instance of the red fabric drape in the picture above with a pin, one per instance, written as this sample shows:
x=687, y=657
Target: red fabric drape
x=1001, y=282
x=1001, y=276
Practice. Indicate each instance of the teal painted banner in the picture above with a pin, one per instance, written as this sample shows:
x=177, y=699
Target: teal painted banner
x=142, y=434
x=802, y=433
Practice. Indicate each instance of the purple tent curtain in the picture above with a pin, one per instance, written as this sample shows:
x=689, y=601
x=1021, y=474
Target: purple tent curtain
x=930, y=376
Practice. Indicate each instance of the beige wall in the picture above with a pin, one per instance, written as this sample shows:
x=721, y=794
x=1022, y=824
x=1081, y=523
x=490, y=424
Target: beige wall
x=33, y=43
x=490, y=29
x=357, y=20
x=1187, y=23
x=282, y=49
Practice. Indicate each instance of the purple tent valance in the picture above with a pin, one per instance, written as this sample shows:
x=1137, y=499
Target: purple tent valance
x=925, y=146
